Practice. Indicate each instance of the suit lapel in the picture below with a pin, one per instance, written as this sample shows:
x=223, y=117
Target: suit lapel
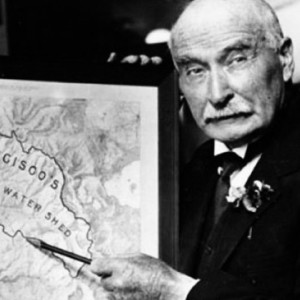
x=236, y=222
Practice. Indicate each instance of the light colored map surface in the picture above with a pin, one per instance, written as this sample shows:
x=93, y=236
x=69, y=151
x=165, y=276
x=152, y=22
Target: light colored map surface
x=70, y=175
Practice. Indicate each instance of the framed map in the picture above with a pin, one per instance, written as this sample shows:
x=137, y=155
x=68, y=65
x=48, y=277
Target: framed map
x=88, y=163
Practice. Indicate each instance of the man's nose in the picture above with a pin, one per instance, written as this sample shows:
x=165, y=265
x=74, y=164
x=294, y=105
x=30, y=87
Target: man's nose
x=219, y=92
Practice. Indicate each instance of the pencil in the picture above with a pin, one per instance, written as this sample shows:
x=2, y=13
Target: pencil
x=42, y=245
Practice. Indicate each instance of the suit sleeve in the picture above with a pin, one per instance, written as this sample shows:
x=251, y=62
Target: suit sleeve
x=220, y=285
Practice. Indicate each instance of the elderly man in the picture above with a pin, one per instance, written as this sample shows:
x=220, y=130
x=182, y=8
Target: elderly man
x=240, y=202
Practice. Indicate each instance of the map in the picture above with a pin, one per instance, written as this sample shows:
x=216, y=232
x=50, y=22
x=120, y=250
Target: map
x=70, y=170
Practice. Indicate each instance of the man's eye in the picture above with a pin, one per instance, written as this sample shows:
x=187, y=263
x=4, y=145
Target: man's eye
x=238, y=59
x=196, y=71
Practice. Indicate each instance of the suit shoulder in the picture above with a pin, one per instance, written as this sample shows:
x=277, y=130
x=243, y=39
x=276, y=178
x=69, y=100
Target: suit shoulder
x=202, y=153
x=201, y=158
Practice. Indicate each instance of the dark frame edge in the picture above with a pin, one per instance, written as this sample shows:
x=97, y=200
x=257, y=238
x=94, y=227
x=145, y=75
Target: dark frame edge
x=169, y=170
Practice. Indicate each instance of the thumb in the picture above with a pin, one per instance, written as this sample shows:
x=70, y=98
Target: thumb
x=101, y=267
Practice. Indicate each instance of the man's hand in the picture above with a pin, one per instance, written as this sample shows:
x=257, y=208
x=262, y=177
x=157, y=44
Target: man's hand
x=141, y=277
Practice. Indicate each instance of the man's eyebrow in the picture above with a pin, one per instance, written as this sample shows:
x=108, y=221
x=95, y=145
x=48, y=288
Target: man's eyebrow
x=239, y=46
x=184, y=60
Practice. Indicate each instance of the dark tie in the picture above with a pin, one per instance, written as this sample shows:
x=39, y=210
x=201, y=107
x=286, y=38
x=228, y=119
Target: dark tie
x=228, y=162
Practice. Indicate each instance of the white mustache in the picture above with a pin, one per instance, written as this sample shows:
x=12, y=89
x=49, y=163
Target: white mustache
x=211, y=114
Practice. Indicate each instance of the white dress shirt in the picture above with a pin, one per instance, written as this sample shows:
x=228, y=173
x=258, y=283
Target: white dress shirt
x=239, y=177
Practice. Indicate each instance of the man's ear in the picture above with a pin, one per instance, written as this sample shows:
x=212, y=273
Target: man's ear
x=287, y=58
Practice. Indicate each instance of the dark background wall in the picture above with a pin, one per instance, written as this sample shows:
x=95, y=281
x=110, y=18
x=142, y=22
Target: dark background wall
x=84, y=28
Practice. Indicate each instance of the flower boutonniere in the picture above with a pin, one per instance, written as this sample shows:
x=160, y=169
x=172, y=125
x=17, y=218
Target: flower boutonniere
x=251, y=197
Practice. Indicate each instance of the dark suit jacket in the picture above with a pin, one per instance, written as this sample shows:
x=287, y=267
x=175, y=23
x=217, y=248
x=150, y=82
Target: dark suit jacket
x=248, y=255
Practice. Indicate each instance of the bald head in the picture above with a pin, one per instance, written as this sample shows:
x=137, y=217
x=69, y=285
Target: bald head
x=257, y=15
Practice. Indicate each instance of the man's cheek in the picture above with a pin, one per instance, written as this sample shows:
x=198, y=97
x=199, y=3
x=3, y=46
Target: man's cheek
x=196, y=106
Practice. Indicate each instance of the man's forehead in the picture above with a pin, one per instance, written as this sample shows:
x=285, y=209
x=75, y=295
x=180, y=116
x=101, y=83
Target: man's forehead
x=197, y=47
x=207, y=30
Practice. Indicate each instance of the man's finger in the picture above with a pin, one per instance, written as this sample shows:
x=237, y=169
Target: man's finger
x=113, y=283
x=101, y=267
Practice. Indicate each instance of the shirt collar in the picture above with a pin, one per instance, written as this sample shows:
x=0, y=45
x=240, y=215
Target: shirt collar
x=220, y=148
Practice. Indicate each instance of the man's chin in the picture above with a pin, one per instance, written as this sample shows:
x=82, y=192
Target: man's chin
x=236, y=135
x=233, y=139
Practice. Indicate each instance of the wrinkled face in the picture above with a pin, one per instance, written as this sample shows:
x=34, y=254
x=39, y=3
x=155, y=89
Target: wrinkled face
x=232, y=81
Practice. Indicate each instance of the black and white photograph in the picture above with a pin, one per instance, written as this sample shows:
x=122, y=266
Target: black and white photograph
x=150, y=150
